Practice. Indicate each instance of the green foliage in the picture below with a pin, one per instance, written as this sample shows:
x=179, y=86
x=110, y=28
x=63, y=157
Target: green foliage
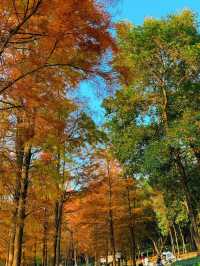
x=156, y=111
x=189, y=262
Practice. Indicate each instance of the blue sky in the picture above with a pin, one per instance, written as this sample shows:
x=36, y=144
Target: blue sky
x=134, y=11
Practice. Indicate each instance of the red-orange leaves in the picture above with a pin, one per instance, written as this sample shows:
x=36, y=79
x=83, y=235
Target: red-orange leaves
x=46, y=157
x=64, y=35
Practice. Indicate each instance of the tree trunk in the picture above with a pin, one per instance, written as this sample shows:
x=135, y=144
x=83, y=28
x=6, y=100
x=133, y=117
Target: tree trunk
x=158, y=247
x=23, y=262
x=18, y=184
x=182, y=239
x=172, y=241
x=45, y=232
x=107, y=250
x=131, y=228
x=11, y=241
x=184, y=181
x=75, y=254
x=155, y=247
x=95, y=246
x=22, y=207
x=35, y=253
x=176, y=239
x=112, y=237
x=19, y=232
x=110, y=218
x=23, y=160
x=70, y=249
x=86, y=260
x=192, y=240
x=58, y=227
x=164, y=109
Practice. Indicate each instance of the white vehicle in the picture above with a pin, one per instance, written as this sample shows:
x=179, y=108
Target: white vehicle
x=168, y=257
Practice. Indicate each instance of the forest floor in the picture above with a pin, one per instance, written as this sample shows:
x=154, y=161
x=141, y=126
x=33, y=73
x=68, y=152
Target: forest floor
x=188, y=255
x=193, y=261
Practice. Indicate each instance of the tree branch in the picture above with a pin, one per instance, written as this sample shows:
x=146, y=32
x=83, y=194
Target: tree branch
x=19, y=26
x=37, y=69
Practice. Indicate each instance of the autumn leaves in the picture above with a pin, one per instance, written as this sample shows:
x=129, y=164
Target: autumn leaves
x=47, y=48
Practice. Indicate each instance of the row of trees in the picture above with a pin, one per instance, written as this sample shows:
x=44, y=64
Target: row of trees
x=46, y=49
x=121, y=213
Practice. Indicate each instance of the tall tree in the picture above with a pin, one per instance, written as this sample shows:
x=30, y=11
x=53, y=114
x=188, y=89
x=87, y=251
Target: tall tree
x=46, y=48
x=158, y=68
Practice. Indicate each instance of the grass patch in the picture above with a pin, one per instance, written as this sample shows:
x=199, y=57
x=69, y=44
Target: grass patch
x=189, y=262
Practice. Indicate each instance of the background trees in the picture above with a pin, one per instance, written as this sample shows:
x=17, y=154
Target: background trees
x=112, y=215
x=158, y=66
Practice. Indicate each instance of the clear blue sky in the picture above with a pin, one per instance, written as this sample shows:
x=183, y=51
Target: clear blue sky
x=134, y=11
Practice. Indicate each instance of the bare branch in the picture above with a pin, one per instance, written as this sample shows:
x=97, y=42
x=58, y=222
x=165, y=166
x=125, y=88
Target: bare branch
x=37, y=69
x=19, y=26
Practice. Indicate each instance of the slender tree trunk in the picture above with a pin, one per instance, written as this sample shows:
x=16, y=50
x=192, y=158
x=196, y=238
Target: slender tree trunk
x=95, y=246
x=22, y=208
x=176, y=239
x=184, y=181
x=110, y=218
x=131, y=227
x=182, y=239
x=133, y=245
x=75, y=253
x=86, y=260
x=19, y=232
x=46, y=253
x=67, y=256
x=164, y=109
x=23, y=159
x=192, y=240
x=155, y=247
x=23, y=255
x=58, y=227
x=95, y=259
x=58, y=214
x=112, y=237
x=35, y=253
x=107, y=251
x=69, y=250
x=11, y=241
x=172, y=241
x=18, y=185
x=45, y=233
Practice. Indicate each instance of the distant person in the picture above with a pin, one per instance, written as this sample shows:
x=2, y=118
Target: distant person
x=159, y=261
x=142, y=258
x=146, y=261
